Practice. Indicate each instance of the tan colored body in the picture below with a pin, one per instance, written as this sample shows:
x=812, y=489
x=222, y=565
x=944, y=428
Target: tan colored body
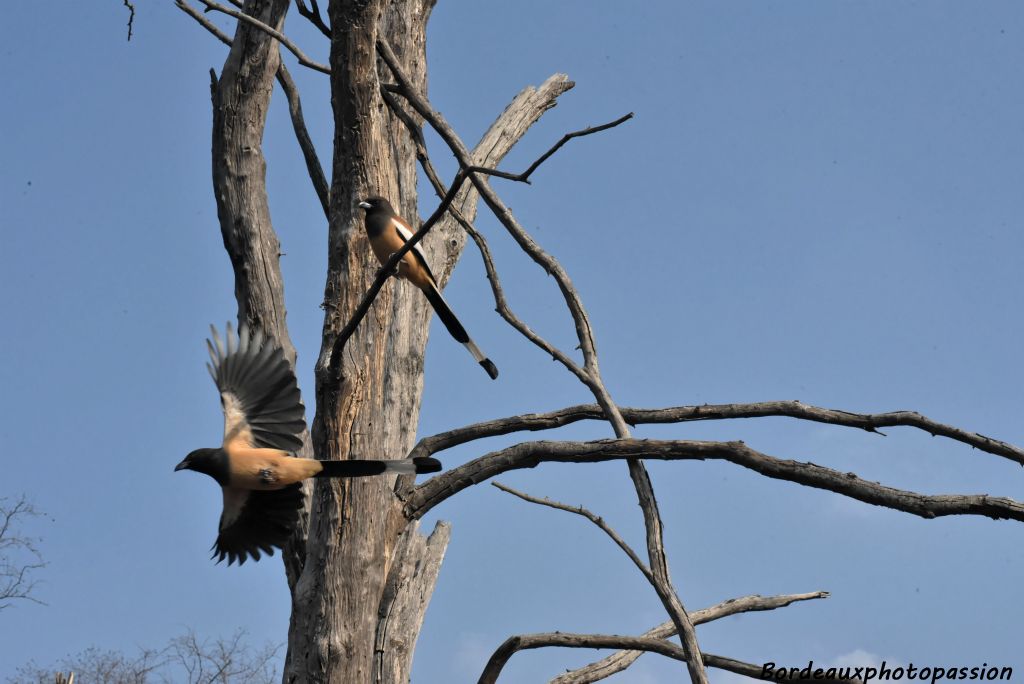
x=410, y=268
x=267, y=469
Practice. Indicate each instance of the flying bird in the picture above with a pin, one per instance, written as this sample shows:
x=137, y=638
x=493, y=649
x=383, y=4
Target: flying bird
x=388, y=232
x=263, y=423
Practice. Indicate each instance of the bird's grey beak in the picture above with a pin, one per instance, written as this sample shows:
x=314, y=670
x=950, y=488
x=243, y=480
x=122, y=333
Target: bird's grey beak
x=365, y=205
x=181, y=466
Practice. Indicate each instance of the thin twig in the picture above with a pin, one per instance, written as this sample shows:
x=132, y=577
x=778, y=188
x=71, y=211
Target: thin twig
x=617, y=662
x=524, y=177
x=291, y=92
x=313, y=167
x=313, y=15
x=131, y=18
x=596, y=519
x=869, y=422
x=280, y=37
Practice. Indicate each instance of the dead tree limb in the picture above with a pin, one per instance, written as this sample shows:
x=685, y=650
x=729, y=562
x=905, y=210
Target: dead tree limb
x=596, y=519
x=530, y=454
x=524, y=642
x=617, y=662
x=870, y=422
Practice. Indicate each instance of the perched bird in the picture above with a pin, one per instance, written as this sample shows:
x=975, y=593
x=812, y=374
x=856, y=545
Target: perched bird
x=263, y=420
x=388, y=233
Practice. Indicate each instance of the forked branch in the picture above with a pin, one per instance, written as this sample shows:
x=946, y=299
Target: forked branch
x=523, y=642
x=280, y=37
x=617, y=662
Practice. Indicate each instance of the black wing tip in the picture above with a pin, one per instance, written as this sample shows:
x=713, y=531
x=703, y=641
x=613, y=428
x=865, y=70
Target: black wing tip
x=491, y=369
x=426, y=464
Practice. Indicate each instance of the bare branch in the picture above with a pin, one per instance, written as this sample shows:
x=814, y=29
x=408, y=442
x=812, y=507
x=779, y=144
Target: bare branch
x=19, y=556
x=316, y=172
x=131, y=18
x=291, y=92
x=530, y=454
x=280, y=37
x=596, y=519
x=869, y=422
x=523, y=642
x=313, y=15
x=203, y=21
x=617, y=662
x=524, y=177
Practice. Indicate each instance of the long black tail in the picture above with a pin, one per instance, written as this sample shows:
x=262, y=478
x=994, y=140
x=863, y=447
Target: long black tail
x=455, y=329
x=362, y=468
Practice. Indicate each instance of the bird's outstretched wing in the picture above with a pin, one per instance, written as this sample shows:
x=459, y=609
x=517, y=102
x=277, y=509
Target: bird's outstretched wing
x=258, y=392
x=255, y=522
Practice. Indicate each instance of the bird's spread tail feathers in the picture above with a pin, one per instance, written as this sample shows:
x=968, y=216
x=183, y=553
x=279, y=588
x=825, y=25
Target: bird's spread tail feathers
x=418, y=465
x=455, y=329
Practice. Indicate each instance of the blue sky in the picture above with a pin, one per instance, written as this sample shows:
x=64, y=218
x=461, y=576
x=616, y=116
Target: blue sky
x=816, y=201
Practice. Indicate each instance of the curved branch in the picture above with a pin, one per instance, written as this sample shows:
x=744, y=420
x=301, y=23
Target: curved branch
x=531, y=454
x=313, y=15
x=269, y=30
x=617, y=662
x=523, y=642
x=869, y=422
x=596, y=519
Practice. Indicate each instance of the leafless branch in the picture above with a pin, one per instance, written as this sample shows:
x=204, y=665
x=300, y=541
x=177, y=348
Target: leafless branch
x=523, y=642
x=592, y=374
x=524, y=177
x=280, y=37
x=131, y=18
x=596, y=519
x=203, y=21
x=617, y=662
x=530, y=454
x=313, y=15
x=869, y=422
x=19, y=556
x=291, y=92
x=316, y=172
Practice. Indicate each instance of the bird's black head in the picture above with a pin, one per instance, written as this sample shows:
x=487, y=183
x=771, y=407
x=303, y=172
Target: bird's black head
x=212, y=462
x=377, y=204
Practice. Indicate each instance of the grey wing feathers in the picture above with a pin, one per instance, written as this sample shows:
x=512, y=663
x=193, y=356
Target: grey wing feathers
x=254, y=371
